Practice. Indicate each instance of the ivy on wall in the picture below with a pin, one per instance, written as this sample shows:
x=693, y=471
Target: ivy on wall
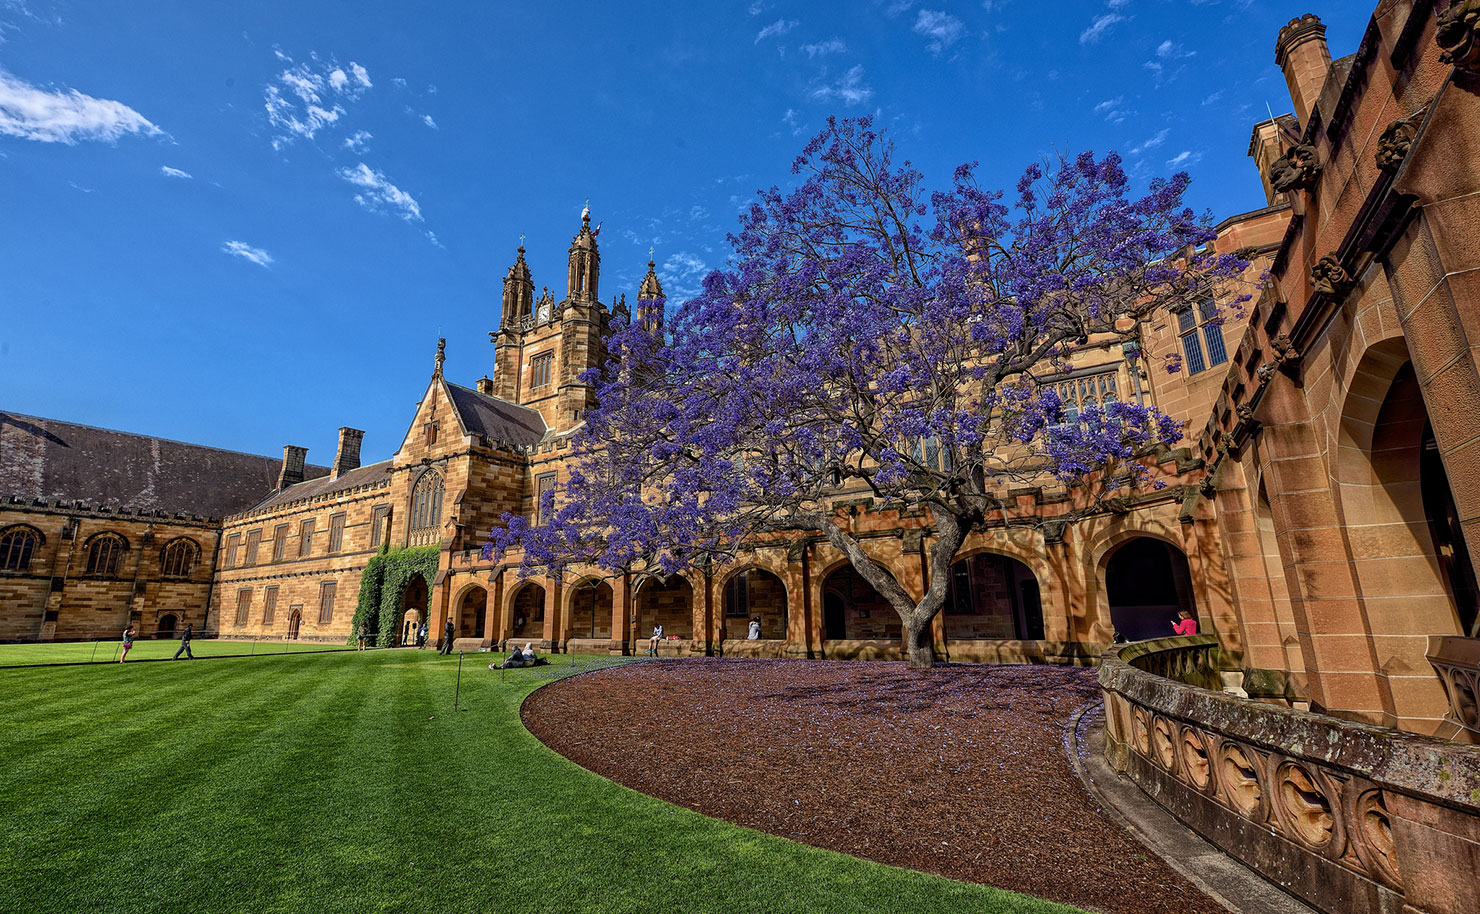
x=383, y=584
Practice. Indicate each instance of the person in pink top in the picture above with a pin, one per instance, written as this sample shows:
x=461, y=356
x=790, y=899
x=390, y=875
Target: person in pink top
x=1187, y=625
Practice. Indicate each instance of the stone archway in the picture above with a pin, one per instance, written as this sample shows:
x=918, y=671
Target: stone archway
x=755, y=594
x=1148, y=583
x=993, y=598
x=527, y=612
x=471, y=612
x=590, y=615
x=166, y=626
x=668, y=603
x=414, y=607
x=852, y=610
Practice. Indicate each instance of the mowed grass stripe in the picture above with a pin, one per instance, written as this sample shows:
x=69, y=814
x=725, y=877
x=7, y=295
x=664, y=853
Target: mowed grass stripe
x=326, y=783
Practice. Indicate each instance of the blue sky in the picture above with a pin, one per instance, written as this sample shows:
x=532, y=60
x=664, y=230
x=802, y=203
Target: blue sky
x=245, y=224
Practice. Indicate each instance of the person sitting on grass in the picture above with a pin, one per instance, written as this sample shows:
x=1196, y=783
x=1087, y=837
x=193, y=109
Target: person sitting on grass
x=514, y=662
x=128, y=642
x=655, y=640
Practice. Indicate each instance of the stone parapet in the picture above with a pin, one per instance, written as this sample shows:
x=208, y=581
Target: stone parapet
x=1349, y=817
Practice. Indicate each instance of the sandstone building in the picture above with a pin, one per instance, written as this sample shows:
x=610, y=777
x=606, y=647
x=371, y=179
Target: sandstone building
x=1308, y=523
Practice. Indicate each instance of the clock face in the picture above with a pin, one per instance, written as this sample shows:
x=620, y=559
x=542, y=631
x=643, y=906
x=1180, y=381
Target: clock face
x=545, y=312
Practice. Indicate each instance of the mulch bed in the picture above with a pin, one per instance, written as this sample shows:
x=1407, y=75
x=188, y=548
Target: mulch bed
x=959, y=771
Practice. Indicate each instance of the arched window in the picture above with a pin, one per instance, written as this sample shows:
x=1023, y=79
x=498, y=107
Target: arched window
x=426, y=502
x=105, y=553
x=17, y=544
x=178, y=557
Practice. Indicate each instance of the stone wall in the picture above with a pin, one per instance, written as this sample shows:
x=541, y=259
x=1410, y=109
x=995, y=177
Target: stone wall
x=1352, y=818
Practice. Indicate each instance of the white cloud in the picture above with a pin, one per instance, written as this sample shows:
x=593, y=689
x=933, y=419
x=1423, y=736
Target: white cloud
x=427, y=119
x=246, y=252
x=1186, y=157
x=1152, y=142
x=941, y=28
x=683, y=274
x=378, y=194
x=311, y=97
x=359, y=142
x=64, y=115
x=824, y=48
x=1113, y=109
x=1099, y=27
x=776, y=29
x=850, y=89
x=169, y=172
x=756, y=8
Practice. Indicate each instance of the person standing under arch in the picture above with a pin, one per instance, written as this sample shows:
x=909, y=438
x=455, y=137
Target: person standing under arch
x=448, y=632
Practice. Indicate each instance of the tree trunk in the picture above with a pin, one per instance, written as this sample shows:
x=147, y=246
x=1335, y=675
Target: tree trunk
x=919, y=641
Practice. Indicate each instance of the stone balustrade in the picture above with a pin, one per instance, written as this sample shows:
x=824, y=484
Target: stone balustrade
x=1349, y=817
x=1457, y=661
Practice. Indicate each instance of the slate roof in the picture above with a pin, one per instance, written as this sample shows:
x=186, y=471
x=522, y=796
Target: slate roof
x=363, y=476
x=500, y=420
x=50, y=459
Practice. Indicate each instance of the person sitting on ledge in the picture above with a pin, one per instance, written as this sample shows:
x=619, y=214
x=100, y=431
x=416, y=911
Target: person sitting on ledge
x=1187, y=625
x=755, y=630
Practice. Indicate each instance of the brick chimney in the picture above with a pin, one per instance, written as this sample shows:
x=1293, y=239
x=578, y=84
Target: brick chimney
x=1302, y=53
x=348, y=456
x=485, y=385
x=292, y=471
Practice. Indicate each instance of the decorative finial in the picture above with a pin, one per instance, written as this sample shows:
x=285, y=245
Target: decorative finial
x=586, y=212
x=441, y=353
x=521, y=242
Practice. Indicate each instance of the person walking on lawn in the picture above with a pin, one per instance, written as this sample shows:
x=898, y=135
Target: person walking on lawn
x=447, y=635
x=128, y=642
x=184, y=645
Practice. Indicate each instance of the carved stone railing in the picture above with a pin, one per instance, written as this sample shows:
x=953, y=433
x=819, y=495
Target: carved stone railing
x=1349, y=817
x=1457, y=661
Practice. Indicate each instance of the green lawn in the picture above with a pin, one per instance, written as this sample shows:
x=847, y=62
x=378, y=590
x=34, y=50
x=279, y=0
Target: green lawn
x=345, y=782
x=107, y=651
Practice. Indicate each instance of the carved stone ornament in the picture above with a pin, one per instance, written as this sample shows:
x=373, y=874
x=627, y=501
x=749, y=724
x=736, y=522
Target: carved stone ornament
x=1284, y=349
x=1396, y=140
x=1267, y=370
x=1245, y=411
x=1329, y=277
x=1297, y=169
x=1458, y=33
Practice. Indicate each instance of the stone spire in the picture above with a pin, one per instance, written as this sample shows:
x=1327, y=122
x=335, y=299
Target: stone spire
x=585, y=263
x=649, y=296
x=518, y=291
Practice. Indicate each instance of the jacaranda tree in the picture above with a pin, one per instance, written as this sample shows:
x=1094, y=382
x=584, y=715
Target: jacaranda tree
x=864, y=337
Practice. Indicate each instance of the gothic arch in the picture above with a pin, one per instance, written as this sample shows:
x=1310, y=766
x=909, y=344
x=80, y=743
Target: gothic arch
x=525, y=610
x=104, y=553
x=470, y=610
x=852, y=610
x=18, y=545
x=588, y=608
x=424, y=517
x=177, y=557
x=755, y=591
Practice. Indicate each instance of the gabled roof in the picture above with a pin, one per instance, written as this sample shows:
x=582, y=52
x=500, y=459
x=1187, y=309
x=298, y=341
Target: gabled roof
x=369, y=475
x=499, y=420
x=50, y=459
